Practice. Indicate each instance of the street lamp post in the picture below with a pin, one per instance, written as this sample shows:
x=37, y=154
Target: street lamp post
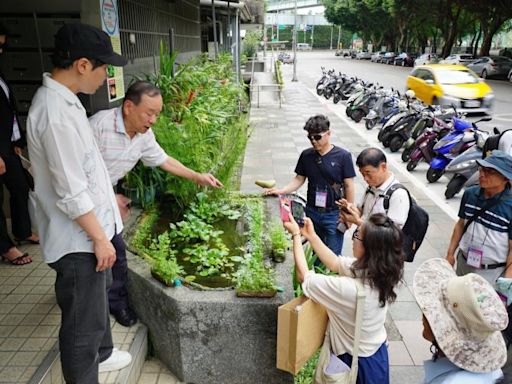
x=294, y=78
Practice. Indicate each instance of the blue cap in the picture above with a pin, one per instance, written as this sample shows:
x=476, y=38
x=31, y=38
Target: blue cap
x=500, y=161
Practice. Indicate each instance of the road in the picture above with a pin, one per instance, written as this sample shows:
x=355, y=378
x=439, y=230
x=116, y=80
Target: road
x=308, y=72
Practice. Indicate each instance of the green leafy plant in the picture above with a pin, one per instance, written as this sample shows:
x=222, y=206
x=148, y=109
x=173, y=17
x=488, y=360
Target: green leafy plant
x=142, y=183
x=279, y=240
x=250, y=43
x=143, y=233
x=165, y=265
x=255, y=276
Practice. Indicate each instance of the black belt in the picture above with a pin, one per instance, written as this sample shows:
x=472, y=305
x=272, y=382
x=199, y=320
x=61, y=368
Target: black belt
x=324, y=210
x=486, y=266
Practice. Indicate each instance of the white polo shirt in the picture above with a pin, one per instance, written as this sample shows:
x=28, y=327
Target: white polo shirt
x=120, y=152
x=70, y=176
x=399, y=204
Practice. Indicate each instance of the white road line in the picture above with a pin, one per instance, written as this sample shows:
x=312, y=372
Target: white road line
x=403, y=172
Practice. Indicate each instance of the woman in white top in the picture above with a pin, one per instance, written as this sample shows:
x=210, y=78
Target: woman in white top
x=378, y=262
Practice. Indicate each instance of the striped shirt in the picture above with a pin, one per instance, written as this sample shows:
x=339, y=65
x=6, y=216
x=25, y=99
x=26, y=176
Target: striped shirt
x=120, y=152
x=492, y=230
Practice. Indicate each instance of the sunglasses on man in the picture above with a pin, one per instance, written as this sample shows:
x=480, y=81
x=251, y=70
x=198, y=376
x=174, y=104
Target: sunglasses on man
x=316, y=137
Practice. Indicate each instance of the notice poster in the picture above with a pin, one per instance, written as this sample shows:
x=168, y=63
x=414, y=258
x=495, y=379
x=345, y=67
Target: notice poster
x=110, y=24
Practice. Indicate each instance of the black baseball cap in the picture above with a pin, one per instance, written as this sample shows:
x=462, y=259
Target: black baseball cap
x=75, y=41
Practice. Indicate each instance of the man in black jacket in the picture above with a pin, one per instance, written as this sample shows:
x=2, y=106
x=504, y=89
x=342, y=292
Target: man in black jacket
x=12, y=174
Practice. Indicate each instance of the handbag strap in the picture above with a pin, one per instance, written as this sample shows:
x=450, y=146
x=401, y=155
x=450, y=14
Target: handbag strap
x=330, y=181
x=361, y=296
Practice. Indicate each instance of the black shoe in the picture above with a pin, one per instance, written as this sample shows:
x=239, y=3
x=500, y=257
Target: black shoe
x=125, y=317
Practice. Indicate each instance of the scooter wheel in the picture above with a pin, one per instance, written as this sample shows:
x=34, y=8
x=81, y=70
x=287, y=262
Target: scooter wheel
x=357, y=115
x=370, y=124
x=434, y=174
x=406, y=154
x=382, y=133
x=336, y=99
x=319, y=91
x=412, y=164
x=327, y=94
x=395, y=143
x=454, y=186
x=348, y=111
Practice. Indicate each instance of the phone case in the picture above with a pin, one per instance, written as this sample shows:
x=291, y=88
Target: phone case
x=284, y=207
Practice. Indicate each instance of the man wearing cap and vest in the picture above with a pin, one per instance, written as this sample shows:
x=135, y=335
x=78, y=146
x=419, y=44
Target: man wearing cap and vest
x=77, y=214
x=483, y=233
x=124, y=137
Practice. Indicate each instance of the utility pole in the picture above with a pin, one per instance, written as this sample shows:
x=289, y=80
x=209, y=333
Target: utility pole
x=277, y=23
x=330, y=46
x=294, y=78
x=312, y=35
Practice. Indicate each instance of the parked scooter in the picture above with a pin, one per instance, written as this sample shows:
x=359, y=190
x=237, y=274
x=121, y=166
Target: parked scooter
x=460, y=139
x=424, y=145
x=324, y=80
x=464, y=167
x=383, y=106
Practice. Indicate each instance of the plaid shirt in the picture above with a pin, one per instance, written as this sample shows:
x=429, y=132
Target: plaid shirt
x=120, y=152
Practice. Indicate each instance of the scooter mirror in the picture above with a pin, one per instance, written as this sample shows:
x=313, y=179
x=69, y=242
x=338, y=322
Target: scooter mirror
x=485, y=118
x=496, y=131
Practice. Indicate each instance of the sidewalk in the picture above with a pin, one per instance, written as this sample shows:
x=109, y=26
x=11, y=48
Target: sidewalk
x=272, y=152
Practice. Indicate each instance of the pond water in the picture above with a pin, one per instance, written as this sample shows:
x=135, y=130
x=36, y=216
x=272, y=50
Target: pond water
x=232, y=237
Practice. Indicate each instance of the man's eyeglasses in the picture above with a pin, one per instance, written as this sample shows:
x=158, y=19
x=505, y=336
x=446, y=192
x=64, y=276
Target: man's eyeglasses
x=356, y=235
x=316, y=137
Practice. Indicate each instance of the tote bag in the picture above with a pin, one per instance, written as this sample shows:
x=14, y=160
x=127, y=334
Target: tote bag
x=301, y=325
x=330, y=369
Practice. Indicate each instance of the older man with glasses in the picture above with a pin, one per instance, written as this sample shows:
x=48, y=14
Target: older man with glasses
x=330, y=172
x=483, y=233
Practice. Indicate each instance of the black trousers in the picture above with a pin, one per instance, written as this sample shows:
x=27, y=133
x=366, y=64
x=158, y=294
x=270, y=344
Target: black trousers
x=118, y=294
x=85, y=338
x=16, y=182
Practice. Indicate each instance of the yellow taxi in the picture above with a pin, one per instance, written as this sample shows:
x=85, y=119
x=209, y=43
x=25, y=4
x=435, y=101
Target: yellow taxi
x=447, y=84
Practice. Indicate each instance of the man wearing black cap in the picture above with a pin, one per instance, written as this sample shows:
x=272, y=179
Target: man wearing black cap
x=77, y=213
x=483, y=233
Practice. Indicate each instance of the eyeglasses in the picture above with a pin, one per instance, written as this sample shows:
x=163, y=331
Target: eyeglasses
x=489, y=171
x=356, y=236
x=316, y=137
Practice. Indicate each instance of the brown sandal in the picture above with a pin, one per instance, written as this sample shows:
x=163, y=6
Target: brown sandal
x=17, y=260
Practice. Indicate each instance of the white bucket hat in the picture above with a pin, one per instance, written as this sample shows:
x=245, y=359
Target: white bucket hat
x=465, y=313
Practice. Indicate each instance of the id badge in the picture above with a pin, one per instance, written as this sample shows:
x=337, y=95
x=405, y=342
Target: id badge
x=321, y=199
x=475, y=257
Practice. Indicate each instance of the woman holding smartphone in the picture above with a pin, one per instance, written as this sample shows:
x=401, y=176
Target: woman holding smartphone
x=378, y=263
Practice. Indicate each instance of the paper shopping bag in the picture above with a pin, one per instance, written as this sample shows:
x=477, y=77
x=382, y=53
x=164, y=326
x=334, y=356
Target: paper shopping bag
x=301, y=325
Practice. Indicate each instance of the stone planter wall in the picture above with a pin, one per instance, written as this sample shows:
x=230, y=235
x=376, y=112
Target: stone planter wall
x=211, y=336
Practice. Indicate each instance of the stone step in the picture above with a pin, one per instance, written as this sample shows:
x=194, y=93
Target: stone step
x=133, y=340
x=155, y=372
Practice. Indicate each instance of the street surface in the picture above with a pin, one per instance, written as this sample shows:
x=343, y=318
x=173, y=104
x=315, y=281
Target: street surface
x=309, y=72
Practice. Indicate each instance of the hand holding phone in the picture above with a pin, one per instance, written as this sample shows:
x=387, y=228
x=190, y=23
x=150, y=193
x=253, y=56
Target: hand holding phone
x=298, y=212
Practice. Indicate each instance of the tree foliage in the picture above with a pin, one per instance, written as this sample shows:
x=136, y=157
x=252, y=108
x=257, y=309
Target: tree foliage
x=414, y=24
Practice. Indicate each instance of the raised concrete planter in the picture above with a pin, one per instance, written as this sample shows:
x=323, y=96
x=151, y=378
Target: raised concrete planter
x=211, y=336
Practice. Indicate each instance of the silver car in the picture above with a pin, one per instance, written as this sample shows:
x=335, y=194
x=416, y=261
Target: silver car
x=458, y=58
x=491, y=66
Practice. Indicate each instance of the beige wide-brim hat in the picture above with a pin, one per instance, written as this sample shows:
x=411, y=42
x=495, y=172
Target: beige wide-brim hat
x=465, y=315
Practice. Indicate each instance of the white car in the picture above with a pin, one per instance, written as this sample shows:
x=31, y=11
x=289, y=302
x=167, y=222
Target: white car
x=303, y=47
x=364, y=55
x=458, y=58
x=426, y=58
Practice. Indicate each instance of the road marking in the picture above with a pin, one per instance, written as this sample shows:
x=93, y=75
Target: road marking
x=433, y=196
x=503, y=117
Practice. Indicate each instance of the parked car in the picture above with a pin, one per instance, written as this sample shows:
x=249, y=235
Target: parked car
x=426, y=58
x=510, y=76
x=487, y=66
x=458, y=58
x=404, y=59
x=303, y=47
x=388, y=58
x=363, y=55
x=285, y=58
x=376, y=56
x=449, y=84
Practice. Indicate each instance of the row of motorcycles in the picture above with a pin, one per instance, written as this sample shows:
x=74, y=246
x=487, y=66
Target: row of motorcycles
x=439, y=136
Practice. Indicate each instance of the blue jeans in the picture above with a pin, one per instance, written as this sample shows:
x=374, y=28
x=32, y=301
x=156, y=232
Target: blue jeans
x=325, y=224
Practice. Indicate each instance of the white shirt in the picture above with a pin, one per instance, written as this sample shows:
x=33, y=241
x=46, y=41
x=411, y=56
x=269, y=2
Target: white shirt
x=338, y=294
x=399, y=203
x=120, y=152
x=70, y=176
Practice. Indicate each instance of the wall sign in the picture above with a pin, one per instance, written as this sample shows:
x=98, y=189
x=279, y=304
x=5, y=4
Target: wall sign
x=110, y=24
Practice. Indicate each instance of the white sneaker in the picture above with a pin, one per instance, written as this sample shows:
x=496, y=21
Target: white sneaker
x=117, y=360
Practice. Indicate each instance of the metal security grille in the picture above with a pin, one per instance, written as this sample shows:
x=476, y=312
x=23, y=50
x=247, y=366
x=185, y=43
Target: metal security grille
x=152, y=21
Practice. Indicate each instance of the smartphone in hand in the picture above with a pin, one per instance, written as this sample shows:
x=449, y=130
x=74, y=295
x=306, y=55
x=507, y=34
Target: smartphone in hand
x=298, y=212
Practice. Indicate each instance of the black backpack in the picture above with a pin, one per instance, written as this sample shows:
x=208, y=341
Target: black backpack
x=415, y=226
x=492, y=143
